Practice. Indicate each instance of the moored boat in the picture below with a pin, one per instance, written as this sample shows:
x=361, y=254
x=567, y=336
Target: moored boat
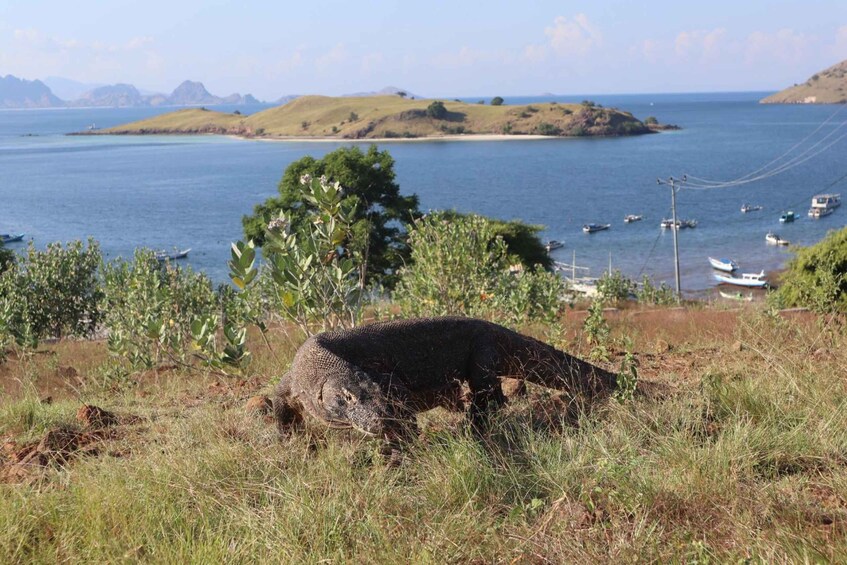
x=553, y=244
x=787, y=217
x=11, y=237
x=750, y=208
x=173, y=255
x=774, y=239
x=629, y=218
x=591, y=228
x=824, y=205
x=726, y=265
x=736, y=296
x=751, y=280
x=680, y=224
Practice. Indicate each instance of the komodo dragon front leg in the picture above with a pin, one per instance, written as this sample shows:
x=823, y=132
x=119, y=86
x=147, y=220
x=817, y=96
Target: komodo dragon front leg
x=486, y=392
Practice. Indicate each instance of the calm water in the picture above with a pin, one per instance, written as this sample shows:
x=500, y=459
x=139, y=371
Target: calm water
x=163, y=192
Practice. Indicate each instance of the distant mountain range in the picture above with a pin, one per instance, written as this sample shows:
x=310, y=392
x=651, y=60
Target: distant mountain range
x=22, y=93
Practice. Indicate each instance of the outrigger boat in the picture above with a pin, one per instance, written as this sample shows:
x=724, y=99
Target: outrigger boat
x=11, y=238
x=725, y=265
x=736, y=296
x=553, y=244
x=752, y=280
x=680, y=224
x=591, y=228
x=629, y=218
x=750, y=208
x=787, y=217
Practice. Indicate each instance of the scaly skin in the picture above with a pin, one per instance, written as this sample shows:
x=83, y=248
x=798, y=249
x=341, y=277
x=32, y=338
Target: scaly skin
x=376, y=378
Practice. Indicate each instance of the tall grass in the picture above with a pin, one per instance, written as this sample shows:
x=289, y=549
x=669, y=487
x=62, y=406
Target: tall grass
x=747, y=463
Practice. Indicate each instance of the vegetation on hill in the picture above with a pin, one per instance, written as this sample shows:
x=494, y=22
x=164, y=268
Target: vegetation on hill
x=826, y=87
x=816, y=277
x=394, y=117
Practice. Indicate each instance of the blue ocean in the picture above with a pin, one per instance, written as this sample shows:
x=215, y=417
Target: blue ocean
x=167, y=192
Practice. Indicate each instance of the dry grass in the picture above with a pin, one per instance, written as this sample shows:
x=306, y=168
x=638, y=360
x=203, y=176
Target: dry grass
x=743, y=457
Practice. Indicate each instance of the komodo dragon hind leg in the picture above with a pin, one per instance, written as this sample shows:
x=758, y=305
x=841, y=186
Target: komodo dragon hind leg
x=486, y=392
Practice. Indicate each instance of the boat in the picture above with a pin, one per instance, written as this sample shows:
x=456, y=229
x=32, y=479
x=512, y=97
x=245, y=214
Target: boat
x=629, y=218
x=726, y=265
x=11, y=237
x=553, y=244
x=736, y=296
x=750, y=208
x=751, y=280
x=774, y=239
x=824, y=205
x=680, y=224
x=591, y=228
x=172, y=255
x=787, y=217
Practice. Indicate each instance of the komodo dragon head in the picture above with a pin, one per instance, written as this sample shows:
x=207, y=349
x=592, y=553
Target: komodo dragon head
x=354, y=401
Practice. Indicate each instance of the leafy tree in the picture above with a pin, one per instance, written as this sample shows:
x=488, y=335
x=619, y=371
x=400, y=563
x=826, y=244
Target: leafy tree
x=497, y=101
x=651, y=120
x=436, y=110
x=367, y=182
x=817, y=276
x=402, y=94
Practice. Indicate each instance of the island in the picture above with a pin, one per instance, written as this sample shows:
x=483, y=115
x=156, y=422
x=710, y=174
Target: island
x=393, y=117
x=826, y=87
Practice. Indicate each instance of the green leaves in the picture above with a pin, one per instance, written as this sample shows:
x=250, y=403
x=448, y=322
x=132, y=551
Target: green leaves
x=241, y=266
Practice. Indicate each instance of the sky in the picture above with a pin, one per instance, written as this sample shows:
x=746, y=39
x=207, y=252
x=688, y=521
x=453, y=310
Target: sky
x=430, y=48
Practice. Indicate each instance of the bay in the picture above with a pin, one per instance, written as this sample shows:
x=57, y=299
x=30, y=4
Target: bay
x=191, y=191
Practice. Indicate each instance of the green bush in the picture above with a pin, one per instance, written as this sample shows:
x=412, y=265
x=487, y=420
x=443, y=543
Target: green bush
x=7, y=258
x=649, y=293
x=460, y=266
x=545, y=128
x=436, y=110
x=615, y=287
x=52, y=293
x=497, y=101
x=816, y=277
x=651, y=120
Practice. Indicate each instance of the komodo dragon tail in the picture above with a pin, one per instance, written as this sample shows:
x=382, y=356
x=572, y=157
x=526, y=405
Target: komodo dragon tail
x=542, y=364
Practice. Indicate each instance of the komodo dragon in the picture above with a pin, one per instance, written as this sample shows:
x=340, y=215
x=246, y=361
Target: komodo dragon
x=375, y=378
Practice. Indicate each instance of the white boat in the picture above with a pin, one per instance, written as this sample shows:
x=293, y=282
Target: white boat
x=591, y=228
x=752, y=280
x=774, y=239
x=553, y=244
x=629, y=218
x=172, y=255
x=11, y=237
x=680, y=224
x=750, y=208
x=824, y=205
x=736, y=296
x=726, y=265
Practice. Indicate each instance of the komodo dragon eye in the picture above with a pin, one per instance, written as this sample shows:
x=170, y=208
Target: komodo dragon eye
x=349, y=396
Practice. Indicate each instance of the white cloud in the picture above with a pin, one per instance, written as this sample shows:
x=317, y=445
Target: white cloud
x=841, y=42
x=331, y=58
x=372, y=62
x=463, y=58
x=575, y=36
x=785, y=45
x=701, y=44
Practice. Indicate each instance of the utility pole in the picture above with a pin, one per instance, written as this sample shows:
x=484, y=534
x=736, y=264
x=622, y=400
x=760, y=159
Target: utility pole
x=673, y=183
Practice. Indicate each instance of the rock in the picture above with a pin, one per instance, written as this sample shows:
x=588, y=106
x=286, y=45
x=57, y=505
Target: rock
x=738, y=346
x=260, y=405
x=662, y=346
x=95, y=417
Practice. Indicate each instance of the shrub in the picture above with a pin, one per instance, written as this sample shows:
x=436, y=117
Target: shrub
x=615, y=287
x=648, y=293
x=497, y=101
x=7, y=258
x=545, y=128
x=651, y=120
x=461, y=266
x=354, y=116
x=436, y=110
x=816, y=277
x=53, y=293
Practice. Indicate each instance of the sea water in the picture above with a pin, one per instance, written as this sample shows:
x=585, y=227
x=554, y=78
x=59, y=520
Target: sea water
x=167, y=192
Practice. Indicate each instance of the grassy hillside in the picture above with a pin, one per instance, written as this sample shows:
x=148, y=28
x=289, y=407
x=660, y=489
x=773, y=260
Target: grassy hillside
x=825, y=87
x=740, y=459
x=392, y=117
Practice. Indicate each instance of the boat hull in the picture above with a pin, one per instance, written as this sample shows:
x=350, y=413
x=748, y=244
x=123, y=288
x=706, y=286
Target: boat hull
x=740, y=281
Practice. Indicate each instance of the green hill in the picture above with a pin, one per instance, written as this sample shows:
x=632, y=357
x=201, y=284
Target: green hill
x=392, y=117
x=825, y=87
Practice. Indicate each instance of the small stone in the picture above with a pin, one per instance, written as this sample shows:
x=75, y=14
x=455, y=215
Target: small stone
x=662, y=346
x=737, y=346
x=260, y=404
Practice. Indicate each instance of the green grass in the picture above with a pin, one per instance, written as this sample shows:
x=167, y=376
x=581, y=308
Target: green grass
x=743, y=460
x=387, y=117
